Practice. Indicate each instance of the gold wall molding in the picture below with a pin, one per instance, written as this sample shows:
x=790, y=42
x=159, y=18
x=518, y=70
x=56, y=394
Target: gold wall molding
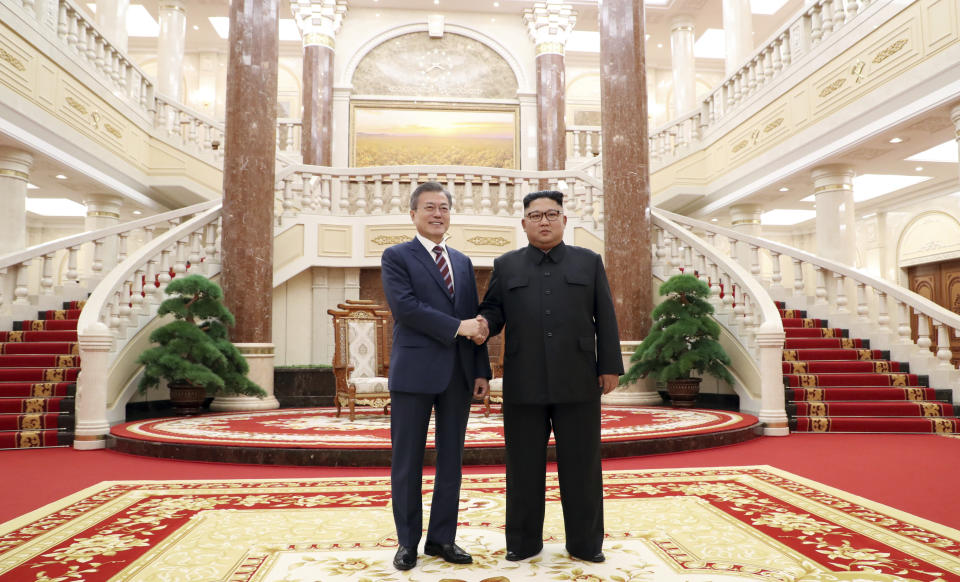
x=113, y=131
x=319, y=39
x=890, y=51
x=857, y=70
x=832, y=188
x=79, y=107
x=14, y=61
x=546, y=48
x=488, y=241
x=831, y=88
x=773, y=125
x=740, y=145
x=103, y=214
x=389, y=240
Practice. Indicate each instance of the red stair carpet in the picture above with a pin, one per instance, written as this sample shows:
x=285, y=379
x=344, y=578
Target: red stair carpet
x=837, y=384
x=38, y=372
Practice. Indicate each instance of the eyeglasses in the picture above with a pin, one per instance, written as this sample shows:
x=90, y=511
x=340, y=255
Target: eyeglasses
x=551, y=215
x=431, y=208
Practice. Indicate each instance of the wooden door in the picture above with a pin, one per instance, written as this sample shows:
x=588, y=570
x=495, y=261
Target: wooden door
x=940, y=283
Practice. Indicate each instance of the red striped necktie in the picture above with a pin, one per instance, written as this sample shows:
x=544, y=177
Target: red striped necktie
x=444, y=268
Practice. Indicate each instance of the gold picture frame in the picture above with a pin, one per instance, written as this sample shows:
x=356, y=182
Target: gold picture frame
x=435, y=134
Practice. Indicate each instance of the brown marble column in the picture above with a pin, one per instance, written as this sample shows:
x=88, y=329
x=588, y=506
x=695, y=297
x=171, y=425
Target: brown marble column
x=551, y=86
x=317, y=137
x=626, y=175
x=248, y=182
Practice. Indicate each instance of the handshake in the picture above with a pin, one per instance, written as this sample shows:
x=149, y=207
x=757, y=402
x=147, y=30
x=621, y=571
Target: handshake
x=476, y=329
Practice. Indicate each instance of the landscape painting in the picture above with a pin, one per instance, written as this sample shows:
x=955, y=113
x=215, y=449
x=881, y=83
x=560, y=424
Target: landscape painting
x=407, y=136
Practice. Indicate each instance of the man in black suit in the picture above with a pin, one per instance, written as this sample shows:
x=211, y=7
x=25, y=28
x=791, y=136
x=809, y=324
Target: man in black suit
x=432, y=294
x=562, y=351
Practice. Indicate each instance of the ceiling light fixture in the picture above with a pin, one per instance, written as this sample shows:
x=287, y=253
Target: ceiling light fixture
x=784, y=189
x=195, y=27
x=60, y=177
x=919, y=168
x=896, y=140
x=138, y=212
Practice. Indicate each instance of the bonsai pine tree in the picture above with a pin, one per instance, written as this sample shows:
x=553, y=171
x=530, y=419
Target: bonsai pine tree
x=683, y=336
x=193, y=348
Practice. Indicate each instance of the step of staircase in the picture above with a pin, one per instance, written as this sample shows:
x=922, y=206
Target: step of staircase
x=39, y=364
x=835, y=383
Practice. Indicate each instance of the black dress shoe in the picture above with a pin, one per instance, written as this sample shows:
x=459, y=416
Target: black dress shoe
x=449, y=552
x=598, y=557
x=513, y=556
x=405, y=558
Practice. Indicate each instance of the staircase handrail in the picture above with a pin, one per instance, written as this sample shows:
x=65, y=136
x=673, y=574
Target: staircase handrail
x=786, y=51
x=941, y=318
x=124, y=301
x=95, y=309
x=745, y=305
x=48, y=248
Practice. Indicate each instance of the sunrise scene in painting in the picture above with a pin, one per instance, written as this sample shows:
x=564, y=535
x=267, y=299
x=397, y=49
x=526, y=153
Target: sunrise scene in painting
x=399, y=137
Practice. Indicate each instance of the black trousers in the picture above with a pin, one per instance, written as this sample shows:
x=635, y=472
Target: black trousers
x=409, y=420
x=576, y=429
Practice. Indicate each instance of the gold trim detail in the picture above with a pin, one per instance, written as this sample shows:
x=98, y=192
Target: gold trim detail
x=831, y=187
x=102, y=214
x=255, y=349
x=773, y=125
x=113, y=131
x=14, y=174
x=14, y=61
x=740, y=146
x=550, y=48
x=488, y=241
x=682, y=28
x=76, y=105
x=829, y=89
x=89, y=437
x=745, y=221
x=890, y=51
x=857, y=70
x=319, y=39
x=384, y=240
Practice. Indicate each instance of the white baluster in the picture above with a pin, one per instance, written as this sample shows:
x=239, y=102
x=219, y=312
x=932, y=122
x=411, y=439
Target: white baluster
x=816, y=27
x=923, y=331
x=113, y=321
x=502, y=197
x=798, y=284
x=883, y=318
x=755, y=261
x=97, y=266
x=468, y=206
x=395, y=194
x=863, y=308
x=588, y=215
x=728, y=298
x=342, y=188
x=377, y=195
x=122, y=246
x=486, y=206
x=821, y=291
x=841, y=296
x=776, y=278
x=150, y=286
x=326, y=199
x=196, y=251
x=136, y=299
x=72, y=257
x=21, y=288
x=943, y=346
x=361, y=196
x=903, y=325
x=124, y=311
x=180, y=266
x=164, y=275
x=749, y=320
x=714, y=285
x=46, y=275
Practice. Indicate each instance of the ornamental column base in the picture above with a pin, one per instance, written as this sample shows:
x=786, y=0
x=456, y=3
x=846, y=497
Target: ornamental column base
x=643, y=392
x=260, y=358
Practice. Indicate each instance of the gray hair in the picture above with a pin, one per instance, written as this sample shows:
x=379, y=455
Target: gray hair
x=428, y=187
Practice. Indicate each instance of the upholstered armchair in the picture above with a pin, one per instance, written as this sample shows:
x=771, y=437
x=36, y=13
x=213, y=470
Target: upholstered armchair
x=360, y=360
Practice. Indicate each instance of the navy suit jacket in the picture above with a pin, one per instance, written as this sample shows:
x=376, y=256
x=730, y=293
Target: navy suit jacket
x=426, y=318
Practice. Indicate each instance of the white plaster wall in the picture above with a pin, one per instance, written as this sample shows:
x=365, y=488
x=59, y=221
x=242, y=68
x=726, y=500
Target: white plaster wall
x=302, y=330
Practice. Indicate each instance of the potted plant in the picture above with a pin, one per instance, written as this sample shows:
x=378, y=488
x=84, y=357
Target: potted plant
x=683, y=338
x=194, y=355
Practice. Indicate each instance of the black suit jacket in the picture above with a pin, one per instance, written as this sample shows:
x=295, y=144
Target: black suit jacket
x=561, y=328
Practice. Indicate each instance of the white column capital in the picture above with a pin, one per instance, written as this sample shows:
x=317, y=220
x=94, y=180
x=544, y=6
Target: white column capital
x=15, y=163
x=832, y=177
x=103, y=205
x=745, y=214
x=550, y=24
x=318, y=20
x=682, y=22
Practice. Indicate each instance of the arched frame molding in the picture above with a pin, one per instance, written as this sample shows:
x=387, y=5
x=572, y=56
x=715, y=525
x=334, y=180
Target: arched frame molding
x=523, y=82
x=947, y=252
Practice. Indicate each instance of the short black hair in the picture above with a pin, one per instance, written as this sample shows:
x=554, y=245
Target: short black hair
x=551, y=194
x=428, y=187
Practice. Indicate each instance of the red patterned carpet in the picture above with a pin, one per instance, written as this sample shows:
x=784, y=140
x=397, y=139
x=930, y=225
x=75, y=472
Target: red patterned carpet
x=717, y=524
x=319, y=428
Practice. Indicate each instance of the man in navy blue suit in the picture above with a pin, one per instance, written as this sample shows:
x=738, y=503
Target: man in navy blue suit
x=432, y=294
